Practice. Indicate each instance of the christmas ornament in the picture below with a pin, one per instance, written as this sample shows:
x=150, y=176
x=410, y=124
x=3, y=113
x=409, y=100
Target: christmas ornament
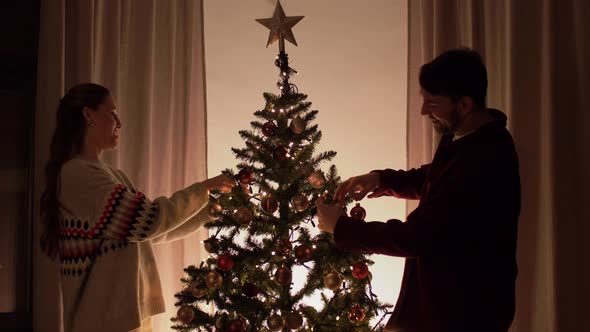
x=302, y=253
x=211, y=245
x=246, y=188
x=316, y=179
x=250, y=290
x=245, y=176
x=236, y=325
x=213, y=279
x=185, y=314
x=220, y=321
x=283, y=276
x=215, y=211
x=269, y=129
x=358, y=212
x=195, y=290
x=284, y=247
x=225, y=262
x=275, y=322
x=297, y=125
x=269, y=204
x=332, y=281
x=294, y=320
x=356, y=313
x=243, y=215
x=280, y=27
x=360, y=270
x=300, y=202
x=280, y=153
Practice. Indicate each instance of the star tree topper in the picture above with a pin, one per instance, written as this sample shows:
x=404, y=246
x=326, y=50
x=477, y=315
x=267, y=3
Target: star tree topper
x=280, y=27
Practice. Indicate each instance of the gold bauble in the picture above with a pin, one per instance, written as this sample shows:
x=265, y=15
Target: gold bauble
x=275, y=322
x=214, y=211
x=195, y=290
x=316, y=179
x=185, y=314
x=213, y=279
x=332, y=281
x=300, y=202
x=297, y=125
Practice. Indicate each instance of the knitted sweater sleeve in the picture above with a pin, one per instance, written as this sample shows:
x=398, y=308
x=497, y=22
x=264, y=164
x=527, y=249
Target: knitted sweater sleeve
x=189, y=226
x=119, y=212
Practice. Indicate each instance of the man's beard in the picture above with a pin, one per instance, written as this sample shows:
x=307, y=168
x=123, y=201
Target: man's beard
x=440, y=127
x=446, y=128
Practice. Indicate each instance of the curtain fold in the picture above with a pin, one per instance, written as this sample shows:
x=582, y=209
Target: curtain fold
x=150, y=55
x=537, y=56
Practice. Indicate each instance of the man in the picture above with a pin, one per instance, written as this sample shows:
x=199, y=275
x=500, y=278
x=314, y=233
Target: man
x=460, y=242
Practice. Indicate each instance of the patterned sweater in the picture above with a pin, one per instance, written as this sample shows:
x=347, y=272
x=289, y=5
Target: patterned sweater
x=110, y=280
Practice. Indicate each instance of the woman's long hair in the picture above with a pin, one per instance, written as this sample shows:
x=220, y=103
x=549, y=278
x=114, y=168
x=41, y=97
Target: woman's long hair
x=67, y=141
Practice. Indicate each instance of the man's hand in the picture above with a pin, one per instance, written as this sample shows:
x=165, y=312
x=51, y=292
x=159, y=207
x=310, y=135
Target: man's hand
x=358, y=187
x=222, y=182
x=328, y=214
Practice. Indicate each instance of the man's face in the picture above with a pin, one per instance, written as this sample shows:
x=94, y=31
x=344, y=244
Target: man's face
x=441, y=110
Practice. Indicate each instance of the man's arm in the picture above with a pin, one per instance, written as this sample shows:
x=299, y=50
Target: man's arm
x=401, y=184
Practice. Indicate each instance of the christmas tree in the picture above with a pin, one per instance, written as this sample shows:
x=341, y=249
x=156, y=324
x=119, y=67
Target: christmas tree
x=262, y=229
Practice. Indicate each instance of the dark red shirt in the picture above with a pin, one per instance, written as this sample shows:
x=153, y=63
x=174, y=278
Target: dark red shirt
x=459, y=243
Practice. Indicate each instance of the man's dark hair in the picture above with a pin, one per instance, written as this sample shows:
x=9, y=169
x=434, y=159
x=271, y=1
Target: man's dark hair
x=456, y=73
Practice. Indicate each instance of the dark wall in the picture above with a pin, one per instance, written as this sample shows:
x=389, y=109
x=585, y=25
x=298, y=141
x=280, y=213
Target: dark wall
x=19, y=31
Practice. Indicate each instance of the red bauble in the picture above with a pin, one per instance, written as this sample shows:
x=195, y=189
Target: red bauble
x=358, y=212
x=243, y=215
x=294, y=320
x=236, y=325
x=225, y=262
x=283, y=276
x=360, y=270
x=284, y=247
x=269, y=204
x=250, y=290
x=269, y=129
x=280, y=153
x=356, y=314
x=303, y=253
x=246, y=175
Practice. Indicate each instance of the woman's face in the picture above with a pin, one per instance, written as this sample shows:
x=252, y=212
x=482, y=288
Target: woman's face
x=104, y=125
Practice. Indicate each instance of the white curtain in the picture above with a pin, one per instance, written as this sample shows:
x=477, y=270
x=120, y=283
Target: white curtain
x=537, y=54
x=149, y=53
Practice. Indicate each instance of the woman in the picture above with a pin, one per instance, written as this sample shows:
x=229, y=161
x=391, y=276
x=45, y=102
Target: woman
x=101, y=227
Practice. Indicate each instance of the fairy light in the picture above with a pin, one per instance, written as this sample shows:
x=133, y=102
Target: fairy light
x=290, y=144
x=337, y=317
x=313, y=246
x=235, y=210
x=272, y=110
x=273, y=253
x=282, y=110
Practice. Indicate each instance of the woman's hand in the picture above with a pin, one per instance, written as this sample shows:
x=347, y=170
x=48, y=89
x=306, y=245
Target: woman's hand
x=222, y=182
